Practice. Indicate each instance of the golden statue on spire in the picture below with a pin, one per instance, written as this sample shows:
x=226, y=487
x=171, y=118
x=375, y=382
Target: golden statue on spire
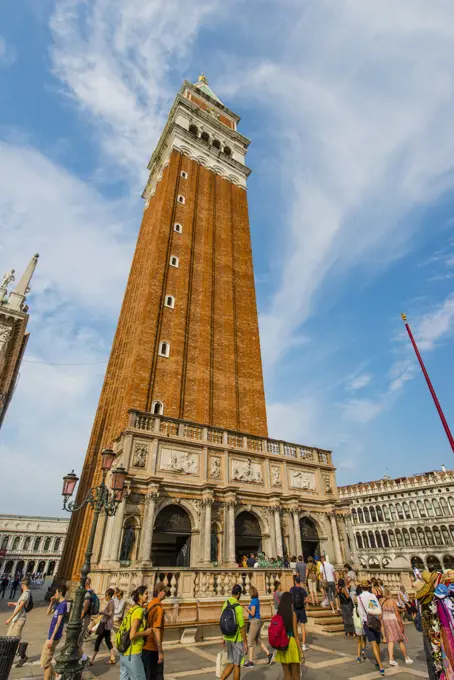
x=202, y=78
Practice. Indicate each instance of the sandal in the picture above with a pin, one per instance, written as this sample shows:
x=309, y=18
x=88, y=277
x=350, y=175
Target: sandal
x=111, y=662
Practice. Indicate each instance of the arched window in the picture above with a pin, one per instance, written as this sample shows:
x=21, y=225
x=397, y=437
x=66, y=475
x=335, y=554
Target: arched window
x=366, y=515
x=193, y=129
x=414, y=537
x=164, y=349
x=205, y=136
x=359, y=541
x=446, y=536
x=437, y=507
x=422, y=537
x=360, y=516
x=57, y=544
x=5, y=540
x=354, y=517
x=444, y=506
x=36, y=544
x=128, y=542
x=227, y=151
x=178, y=227
x=216, y=144
x=406, y=537
x=378, y=539
x=184, y=174
x=27, y=543
x=157, y=408
x=414, y=509
x=406, y=508
x=400, y=512
x=392, y=539
x=429, y=536
x=47, y=544
x=385, y=539
x=379, y=513
x=437, y=536
x=365, y=540
x=400, y=541
x=174, y=261
x=16, y=543
x=451, y=504
x=170, y=301
x=429, y=508
x=386, y=512
x=451, y=529
x=372, y=539
x=422, y=510
x=373, y=516
x=181, y=199
x=392, y=510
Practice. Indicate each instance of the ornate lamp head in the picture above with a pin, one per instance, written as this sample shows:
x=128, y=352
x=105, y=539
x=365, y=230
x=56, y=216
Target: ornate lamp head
x=108, y=457
x=69, y=484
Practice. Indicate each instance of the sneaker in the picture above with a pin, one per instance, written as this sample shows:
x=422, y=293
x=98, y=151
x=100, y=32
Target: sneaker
x=305, y=648
x=21, y=661
x=382, y=671
x=271, y=656
x=358, y=659
x=408, y=660
x=249, y=664
x=393, y=663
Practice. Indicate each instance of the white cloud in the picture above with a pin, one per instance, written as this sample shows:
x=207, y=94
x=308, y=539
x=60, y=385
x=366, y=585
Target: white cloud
x=8, y=54
x=358, y=382
x=436, y=325
x=362, y=411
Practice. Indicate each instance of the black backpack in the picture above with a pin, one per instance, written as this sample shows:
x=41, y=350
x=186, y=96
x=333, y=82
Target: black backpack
x=298, y=597
x=30, y=604
x=228, y=623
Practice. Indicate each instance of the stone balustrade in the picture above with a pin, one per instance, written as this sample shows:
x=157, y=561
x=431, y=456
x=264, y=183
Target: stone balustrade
x=172, y=427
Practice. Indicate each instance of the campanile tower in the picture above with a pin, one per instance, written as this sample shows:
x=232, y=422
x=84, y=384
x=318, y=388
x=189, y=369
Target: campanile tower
x=187, y=341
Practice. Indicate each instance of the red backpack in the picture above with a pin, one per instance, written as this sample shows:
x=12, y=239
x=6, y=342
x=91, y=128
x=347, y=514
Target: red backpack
x=277, y=635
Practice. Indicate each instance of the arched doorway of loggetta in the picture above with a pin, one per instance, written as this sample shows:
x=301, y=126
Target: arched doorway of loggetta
x=171, y=546
x=248, y=535
x=417, y=563
x=448, y=562
x=433, y=563
x=309, y=537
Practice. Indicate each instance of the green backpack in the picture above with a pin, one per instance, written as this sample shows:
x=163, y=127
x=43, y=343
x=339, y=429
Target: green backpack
x=122, y=638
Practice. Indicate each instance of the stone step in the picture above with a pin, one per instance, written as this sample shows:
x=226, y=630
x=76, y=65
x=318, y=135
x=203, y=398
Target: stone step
x=321, y=615
x=333, y=628
x=328, y=620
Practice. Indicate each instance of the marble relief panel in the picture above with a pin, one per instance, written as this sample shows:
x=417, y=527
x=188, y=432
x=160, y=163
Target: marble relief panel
x=180, y=462
x=301, y=479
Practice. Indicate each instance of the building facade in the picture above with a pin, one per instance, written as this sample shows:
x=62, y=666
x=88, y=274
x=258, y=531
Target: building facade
x=13, y=331
x=31, y=544
x=183, y=400
x=405, y=521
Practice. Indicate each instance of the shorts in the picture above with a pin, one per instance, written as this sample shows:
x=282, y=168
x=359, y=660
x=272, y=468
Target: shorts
x=235, y=652
x=331, y=591
x=15, y=629
x=48, y=654
x=301, y=615
x=372, y=635
x=255, y=627
x=312, y=587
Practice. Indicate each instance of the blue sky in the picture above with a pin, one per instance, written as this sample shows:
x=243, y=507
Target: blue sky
x=349, y=107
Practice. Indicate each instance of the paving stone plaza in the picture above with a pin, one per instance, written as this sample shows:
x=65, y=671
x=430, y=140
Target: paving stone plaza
x=329, y=656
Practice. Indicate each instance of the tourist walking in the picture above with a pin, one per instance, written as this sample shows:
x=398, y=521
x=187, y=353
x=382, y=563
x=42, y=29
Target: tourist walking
x=234, y=634
x=277, y=594
x=393, y=627
x=301, y=569
x=4, y=585
x=376, y=589
x=311, y=580
x=58, y=608
x=153, y=653
x=346, y=607
x=370, y=612
x=104, y=629
x=329, y=578
x=255, y=627
x=120, y=607
x=292, y=657
x=18, y=618
x=359, y=628
x=299, y=595
x=15, y=584
x=131, y=664
x=350, y=580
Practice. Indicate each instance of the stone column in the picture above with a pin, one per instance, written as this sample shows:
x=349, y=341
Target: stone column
x=231, y=531
x=296, y=526
x=146, y=538
x=111, y=547
x=336, y=541
x=13, y=570
x=351, y=533
x=278, y=532
x=207, y=502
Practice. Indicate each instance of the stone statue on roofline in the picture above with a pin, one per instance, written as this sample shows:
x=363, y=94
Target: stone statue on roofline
x=7, y=278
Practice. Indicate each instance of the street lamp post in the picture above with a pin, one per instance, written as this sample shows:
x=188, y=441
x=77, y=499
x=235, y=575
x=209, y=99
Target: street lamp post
x=100, y=498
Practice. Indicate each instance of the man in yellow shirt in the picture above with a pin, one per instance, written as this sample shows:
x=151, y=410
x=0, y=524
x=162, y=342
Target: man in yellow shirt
x=237, y=642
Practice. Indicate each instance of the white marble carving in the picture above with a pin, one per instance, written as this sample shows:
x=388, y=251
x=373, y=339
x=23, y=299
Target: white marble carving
x=247, y=472
x=276, y=476
x=302, y=480
x=140, y=455
x=215, y=468
x=180, y=461
x=7, y=278
x=5, y=332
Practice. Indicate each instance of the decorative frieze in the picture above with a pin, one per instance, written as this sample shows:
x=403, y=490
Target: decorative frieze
x=300, y=479
x=180, y=462
x=248, y=472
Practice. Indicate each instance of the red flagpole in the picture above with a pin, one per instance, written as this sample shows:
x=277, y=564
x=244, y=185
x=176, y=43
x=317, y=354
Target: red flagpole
x=432, y=391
